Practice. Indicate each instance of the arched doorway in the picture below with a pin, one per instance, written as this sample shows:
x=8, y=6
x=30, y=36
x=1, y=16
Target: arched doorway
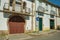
x=16, y=24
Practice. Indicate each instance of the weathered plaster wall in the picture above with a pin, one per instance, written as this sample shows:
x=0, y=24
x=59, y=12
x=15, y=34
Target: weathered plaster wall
x=4, y=17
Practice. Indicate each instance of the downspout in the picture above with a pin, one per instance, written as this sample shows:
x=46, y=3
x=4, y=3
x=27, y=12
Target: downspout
x=13, y=5
x=32, y=16
x=21, y=6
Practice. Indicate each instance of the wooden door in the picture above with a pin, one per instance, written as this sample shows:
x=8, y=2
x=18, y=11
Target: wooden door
x=16, y=25
x=40, y=24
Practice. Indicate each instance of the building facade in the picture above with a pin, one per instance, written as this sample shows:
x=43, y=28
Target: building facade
x=20, y=16
x=16, y=16
x=46, y=16
x=58, y=18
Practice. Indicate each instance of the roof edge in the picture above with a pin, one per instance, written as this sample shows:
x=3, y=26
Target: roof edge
x=51, y=4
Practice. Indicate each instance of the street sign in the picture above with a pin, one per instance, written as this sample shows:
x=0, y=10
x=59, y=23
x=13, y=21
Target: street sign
x=37, y=18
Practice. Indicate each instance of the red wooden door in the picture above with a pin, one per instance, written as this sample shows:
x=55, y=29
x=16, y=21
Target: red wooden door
x=16, y=26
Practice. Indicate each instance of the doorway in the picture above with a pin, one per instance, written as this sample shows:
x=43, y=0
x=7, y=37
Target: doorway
x=16, y=24
x=40, y=24
x=51, y=24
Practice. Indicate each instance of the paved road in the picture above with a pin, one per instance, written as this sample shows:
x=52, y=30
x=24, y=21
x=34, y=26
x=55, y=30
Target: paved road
x=53, y=36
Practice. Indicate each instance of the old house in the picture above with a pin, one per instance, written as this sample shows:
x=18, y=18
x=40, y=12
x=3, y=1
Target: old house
x=20, y=16
x=16, y=16
x=46, y=15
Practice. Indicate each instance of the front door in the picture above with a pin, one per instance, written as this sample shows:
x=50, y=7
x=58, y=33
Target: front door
x=16, y=25
x=40, y=24
x=51, y=24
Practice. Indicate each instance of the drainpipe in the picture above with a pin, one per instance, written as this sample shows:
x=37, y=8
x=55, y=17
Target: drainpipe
x=13, y=5
x=56, y=19
x=32, y=16
x=21, y=6
x=33, y=13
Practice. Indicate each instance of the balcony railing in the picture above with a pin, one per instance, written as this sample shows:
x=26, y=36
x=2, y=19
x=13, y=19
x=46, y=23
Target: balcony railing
x=41, y=9
x=53, y=12
x=18, y=8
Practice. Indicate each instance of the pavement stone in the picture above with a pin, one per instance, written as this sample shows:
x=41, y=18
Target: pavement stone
x=53, y=36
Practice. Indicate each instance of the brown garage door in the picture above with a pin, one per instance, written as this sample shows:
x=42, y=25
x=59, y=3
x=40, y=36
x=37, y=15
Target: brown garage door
x=16, y=24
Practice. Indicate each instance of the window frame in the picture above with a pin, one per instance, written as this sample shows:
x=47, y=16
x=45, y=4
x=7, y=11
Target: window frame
x=40, y=14
x=51, y=16
x=27, y=17
x=47, y=7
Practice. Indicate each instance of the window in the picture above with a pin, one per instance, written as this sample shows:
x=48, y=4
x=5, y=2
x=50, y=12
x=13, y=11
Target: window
x=31, y=0
x=59, y=14
x=46, y=7
x=0, y=2
x=40, y=1
x=52, y=16
x=27, y=17
x=24, y=5
x=53, y=8
x=11, y=2
x=40, y=14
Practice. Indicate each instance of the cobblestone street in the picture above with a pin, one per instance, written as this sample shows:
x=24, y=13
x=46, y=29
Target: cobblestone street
x=53, y=36
x=47, y=36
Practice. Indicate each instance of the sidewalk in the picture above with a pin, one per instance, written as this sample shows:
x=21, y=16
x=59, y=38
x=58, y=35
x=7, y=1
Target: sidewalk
x=19, y=36
x=42, y=33
x=29, y=35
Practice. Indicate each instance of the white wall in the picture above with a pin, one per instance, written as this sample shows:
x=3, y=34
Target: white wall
x=4, y=17
x=29, y=22
x=3, y=22
x=58, y=21
x=28, y=25
x=2, y=3
x=46, y=21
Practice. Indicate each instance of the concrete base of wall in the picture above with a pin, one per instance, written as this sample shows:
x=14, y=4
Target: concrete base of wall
x=4, y=31
x=28, y=31
x=46, y=28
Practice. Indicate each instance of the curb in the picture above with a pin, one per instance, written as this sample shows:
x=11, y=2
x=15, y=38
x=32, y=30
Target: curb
x=40, y=34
